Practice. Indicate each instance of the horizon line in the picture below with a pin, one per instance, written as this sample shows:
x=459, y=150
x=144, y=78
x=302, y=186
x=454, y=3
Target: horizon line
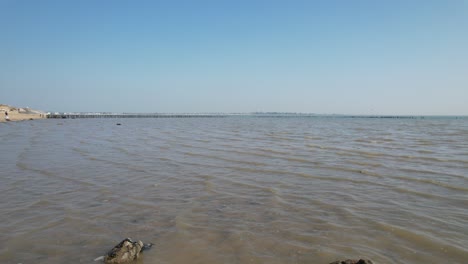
x=250, y=114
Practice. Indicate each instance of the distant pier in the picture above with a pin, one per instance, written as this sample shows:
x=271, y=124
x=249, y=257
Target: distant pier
x=57, y=115
x=113, y=115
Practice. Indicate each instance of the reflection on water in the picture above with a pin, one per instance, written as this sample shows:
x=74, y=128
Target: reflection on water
x=235, y=190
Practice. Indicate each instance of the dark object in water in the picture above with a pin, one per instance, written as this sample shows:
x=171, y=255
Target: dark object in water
x=119, y=124
x=352, y=261
x=126, y=251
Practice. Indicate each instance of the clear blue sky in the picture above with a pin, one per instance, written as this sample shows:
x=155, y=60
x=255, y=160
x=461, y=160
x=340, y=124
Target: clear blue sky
x=348, y=57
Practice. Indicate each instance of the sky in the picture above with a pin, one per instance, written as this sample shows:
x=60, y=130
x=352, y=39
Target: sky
x=325, y=57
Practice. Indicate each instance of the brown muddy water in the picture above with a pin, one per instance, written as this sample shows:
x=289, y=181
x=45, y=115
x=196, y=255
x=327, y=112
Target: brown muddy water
x=235, y=189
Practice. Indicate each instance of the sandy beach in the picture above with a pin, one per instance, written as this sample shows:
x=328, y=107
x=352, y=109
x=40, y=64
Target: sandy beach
x=19, y=114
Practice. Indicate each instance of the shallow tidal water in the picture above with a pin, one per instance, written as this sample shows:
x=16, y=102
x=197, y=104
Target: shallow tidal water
x=235, y=189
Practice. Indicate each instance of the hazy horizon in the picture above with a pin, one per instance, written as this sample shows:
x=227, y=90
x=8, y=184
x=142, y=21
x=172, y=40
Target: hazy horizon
x=320, y=57
x=279, y=114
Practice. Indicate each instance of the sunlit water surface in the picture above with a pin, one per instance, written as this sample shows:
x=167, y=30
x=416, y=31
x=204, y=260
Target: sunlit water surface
x=235, y=190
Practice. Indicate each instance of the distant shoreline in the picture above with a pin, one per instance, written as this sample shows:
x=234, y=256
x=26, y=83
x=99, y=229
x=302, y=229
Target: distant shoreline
x=19, y=114
x=219, y=115
x=11, y=113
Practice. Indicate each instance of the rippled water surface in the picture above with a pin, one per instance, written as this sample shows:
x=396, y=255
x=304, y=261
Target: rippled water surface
x=235, y=189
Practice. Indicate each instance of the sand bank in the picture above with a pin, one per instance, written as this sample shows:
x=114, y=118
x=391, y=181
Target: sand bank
x=18, y=113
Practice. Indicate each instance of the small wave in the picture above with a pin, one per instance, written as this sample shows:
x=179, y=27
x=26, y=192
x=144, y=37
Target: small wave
x=316, y=146
x=423, y=151
x=271, y=151
x=431, y=172
x=365, y=163
x=224, y=159
x=24, y=166
x=432, y=182
x=426, y=240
